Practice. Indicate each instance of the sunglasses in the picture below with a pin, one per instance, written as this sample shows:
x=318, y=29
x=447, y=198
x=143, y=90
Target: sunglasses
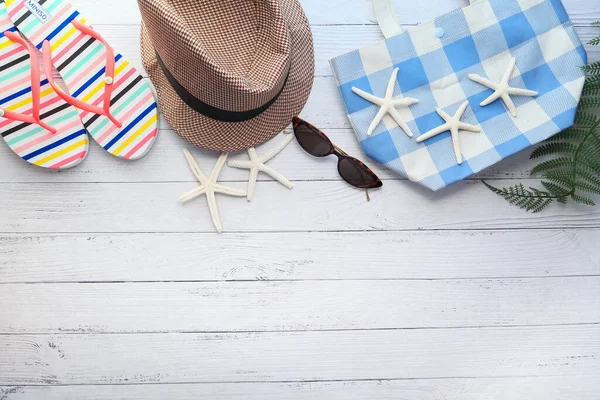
x=317, y=144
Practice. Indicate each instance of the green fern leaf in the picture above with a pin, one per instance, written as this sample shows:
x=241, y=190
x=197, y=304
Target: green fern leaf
x=540, y=205
x=589, y=154
x=561, y=163
x=592, y=89
x=596, y=23
x=592, y=68
x=587, y=187
x=592, y=79
x=555, y=190
x=533, y=200
x=569, y=134
x=590, y=168
x=582, y=200
x=595, y=41
x=585, y=118
x=589, y=103
x=590, y=93
x=554, y=148
x=588, y=182
x=564, y=178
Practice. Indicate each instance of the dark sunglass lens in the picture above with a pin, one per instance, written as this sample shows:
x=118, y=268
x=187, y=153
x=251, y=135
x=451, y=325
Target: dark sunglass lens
x=356, y=174
x=312, y=142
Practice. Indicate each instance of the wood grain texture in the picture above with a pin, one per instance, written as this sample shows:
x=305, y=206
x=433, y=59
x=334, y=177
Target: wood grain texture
x=300, y=356
x=290, y=257
x=296, y=306
x=547, y=388
x=310, y=206
x=109, y=289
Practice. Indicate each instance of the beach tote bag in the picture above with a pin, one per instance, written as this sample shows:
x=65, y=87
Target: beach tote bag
x=500, y=75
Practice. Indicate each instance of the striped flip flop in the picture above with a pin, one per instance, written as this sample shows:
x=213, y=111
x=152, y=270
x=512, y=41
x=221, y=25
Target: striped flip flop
x=35, y=122
x=115, y=105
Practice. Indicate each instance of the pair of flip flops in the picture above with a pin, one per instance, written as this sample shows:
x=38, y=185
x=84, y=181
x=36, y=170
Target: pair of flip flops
x=109, y=100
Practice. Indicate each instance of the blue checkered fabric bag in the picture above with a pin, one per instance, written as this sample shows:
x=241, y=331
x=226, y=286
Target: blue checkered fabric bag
x=435, y=60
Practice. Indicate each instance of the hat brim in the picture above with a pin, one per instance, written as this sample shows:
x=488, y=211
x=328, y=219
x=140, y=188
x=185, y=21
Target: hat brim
x=212, y=134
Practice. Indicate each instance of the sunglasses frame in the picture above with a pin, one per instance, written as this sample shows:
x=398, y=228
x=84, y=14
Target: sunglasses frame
x=339, y=153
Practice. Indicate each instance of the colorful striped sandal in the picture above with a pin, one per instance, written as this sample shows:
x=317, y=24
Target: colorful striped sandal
x=115, y=105
x=35, y=122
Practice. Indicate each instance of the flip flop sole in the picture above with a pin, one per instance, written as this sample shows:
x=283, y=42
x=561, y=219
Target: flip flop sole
x=81, y=62
x=64, y=149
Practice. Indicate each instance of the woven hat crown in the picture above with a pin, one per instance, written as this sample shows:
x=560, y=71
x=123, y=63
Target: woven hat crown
x=230, y=54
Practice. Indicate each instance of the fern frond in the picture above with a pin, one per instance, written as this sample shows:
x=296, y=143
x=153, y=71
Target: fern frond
x=589, y=103
x=595, y=41
x=596, y=23
x=539, y=205
x=561, y=163
x=590, y=168
x=554, y=148
x=590, y=150
x=556, y=190
x=533, y=200
x=587, y=181
x=587, y=187
x=585, y=118
x=592, y=79
x=592, y=68
x=591, y=90
x=569, y=134
x=582, y=200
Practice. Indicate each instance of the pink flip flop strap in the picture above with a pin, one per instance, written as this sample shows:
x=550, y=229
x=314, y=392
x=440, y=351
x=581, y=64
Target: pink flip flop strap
x=109, y=78
x=34, y=118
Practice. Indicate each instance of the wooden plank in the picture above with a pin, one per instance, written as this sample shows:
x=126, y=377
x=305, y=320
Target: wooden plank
x=338, y=12
x=329, y=41
x=293, y=256
x=300, y=356
x=311, y=206
x=547, y=388
x=296, y=306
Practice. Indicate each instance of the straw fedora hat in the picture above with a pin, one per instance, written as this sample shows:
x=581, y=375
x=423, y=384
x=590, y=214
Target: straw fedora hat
x=229, y=74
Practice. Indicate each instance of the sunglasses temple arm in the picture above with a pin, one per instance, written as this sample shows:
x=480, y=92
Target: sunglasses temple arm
x=342, y=152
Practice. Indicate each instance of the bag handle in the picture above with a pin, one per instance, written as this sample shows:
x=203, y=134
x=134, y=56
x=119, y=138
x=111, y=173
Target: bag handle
x=388, y=19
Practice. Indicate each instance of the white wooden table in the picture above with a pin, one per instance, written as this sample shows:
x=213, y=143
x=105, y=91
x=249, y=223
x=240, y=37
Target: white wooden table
x=110, y=289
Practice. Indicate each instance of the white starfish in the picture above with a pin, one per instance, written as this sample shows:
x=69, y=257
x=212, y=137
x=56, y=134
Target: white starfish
x=453, y=125
x=257, y=164
x=387, y=105
x=209, y=187
x=502, y=90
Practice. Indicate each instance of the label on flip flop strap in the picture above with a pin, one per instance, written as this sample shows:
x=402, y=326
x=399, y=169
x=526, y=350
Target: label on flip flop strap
x=37, y=10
